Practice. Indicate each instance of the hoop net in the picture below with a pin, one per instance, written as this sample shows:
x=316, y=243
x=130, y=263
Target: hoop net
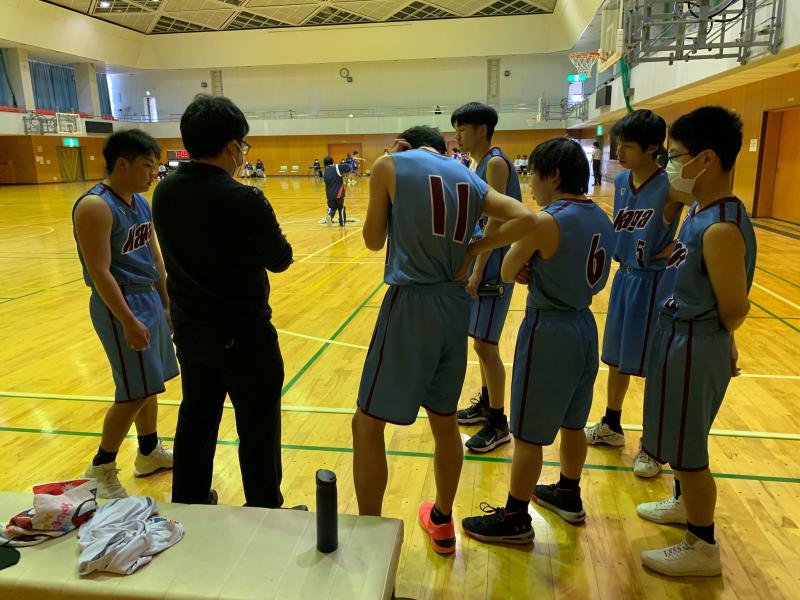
x=68, y=122
x=584, y=61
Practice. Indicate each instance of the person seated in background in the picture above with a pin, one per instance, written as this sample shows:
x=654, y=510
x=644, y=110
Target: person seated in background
x=524, y=165
x=248, y=169
x=518, y=165
x=260, y=168
x=317, y=168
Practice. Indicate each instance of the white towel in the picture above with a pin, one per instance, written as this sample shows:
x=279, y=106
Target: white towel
x=124, y=535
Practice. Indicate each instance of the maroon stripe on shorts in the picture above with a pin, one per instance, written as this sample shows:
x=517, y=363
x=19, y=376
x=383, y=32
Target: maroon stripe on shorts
x=119, y=352
x=664, y=390
x=528, y=367
x=687, y=378
x=395, y=294
x=649, y=320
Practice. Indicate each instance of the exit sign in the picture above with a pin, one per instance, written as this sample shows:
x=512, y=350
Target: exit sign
x=575, y=77
x=71, y=142
x=599, y=130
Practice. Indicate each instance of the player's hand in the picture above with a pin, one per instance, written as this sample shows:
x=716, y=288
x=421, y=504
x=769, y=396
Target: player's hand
x=666, y=251
x=462, y=273
x=524, y=275
x=400, y=145
x=137, y=336
x=735, y=370
x=474, y=282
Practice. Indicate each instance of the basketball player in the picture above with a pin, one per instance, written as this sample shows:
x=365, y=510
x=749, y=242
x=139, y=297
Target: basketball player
x=568, y=252
x=646, y=216
x=129, y=306
x=474, y=124
x=335, y=189
x=692, y=354
x=428, y=205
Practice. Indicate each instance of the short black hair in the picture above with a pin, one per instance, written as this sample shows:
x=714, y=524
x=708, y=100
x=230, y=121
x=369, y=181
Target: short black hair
x=566, y=156
x=644, y=127
x=424, y=135
x=209, y=123
x=129, y=144
x=327, y=161
x=475, y=113
x=596, y=145
x=710, y=128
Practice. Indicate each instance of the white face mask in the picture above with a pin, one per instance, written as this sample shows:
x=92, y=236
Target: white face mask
x=236, y=165
x=676, y=178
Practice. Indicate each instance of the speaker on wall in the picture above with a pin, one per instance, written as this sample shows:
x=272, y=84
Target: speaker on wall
x=603, y=97
x=99, y=127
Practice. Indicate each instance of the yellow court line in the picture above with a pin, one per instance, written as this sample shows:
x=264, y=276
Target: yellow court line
x=321, y=250
x=508, y=364
x=349, y=411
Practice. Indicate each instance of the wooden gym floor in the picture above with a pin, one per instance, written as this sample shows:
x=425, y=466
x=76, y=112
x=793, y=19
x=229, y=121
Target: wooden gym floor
x=55, y=386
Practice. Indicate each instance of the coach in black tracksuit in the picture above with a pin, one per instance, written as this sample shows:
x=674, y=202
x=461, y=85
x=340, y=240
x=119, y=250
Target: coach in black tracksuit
x=219, y=238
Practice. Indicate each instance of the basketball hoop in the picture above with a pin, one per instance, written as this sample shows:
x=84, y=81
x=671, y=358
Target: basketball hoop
x=584, y=61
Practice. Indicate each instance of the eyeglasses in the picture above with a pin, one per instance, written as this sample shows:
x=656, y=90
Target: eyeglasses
x=244, y=147
x=674, y=156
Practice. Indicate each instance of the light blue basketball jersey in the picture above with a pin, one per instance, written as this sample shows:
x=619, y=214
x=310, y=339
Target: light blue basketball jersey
x=513, y=187
x=579, y=268
x=131, y=257
x=692, y=296
x=639, y=226
x=436, y=204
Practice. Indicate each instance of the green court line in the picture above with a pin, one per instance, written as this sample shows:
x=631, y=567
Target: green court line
x=52, y=287
x=325, y=346
x=778, y=277
x=428, y=455
x=781, y=319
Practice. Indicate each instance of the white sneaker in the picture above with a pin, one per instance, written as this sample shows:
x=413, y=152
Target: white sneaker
x=645, y=465
x=669, y=511
x=160, y=458
x=328, y=219
x=691, y=557
x=108, y=485
x=600, y=433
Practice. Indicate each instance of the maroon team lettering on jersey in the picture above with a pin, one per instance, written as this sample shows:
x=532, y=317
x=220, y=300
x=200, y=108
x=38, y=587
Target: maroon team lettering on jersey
x=138, y=236
x=631, y=220
x=678, y=256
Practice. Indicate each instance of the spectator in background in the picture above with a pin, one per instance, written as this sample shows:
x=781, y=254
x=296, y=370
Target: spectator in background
x=260, y=168
x=317, y=168
x=524, y=165
x=597, y=164
x=518, y=164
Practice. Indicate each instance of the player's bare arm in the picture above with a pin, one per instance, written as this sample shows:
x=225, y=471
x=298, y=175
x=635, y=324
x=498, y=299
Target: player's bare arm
x=723, y=253
x=543, y=238
x=381, y=192
x=497, y=178
x=93, y=221
x=161, y=284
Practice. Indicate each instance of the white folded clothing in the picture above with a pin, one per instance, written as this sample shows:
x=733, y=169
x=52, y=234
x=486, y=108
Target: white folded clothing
x=123, y=535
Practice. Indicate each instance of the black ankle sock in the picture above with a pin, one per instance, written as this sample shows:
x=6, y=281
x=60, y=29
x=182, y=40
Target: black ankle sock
x=103, y=458
x=705, y=533
x=677, y=489
x=612, y=419
x=497, y=417
x=565, y=483
x=148, y=443
x=516, y=506
x=485, y=395
x=438, y=518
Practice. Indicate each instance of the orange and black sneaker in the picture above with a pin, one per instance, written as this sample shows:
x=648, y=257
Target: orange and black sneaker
x=443, y=537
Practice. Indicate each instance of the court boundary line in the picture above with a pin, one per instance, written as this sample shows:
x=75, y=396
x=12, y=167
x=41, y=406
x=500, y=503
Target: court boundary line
x=289, y=408
x=781, y=319
x=409, y=454
x=776, y=295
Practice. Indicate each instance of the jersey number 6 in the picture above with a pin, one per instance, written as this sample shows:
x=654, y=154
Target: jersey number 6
x=595, y=262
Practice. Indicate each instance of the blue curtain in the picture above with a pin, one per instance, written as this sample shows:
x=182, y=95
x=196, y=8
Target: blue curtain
x=105, y=99
x=6, y=96
x=54, y=87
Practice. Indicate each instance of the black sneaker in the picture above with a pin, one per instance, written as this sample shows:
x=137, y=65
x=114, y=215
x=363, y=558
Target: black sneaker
x=497, y=527
x=489, y=437
x=567, y=504
x=477, y=412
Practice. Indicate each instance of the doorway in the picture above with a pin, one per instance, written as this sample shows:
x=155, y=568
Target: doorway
x=70, y=163
x=785, y=205
x=150, y=109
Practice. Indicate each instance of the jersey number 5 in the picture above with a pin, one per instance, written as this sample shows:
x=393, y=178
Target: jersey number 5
x=439, y=209
x=595, y=262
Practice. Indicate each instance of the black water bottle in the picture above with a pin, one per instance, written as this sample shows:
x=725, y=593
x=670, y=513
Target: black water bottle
x=327, y=513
